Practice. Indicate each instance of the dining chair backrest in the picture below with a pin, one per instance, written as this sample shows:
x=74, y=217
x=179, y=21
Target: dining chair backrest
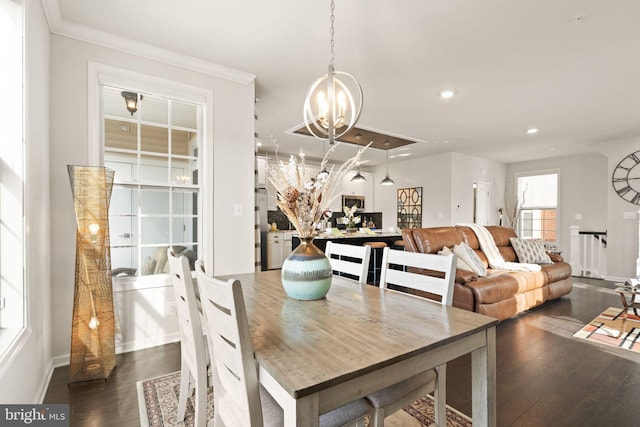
x=406, y=269
x=194, y=358
x=192, y=342
x=349, y=259
x=229, y=340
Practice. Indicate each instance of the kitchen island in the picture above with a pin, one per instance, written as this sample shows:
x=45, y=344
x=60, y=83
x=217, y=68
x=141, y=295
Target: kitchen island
x=356, y=238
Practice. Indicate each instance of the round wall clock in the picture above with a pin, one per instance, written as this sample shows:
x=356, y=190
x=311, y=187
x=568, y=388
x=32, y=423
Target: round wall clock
x=626, y=178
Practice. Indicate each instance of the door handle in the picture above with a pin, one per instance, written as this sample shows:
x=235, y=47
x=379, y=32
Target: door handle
x=125, y=235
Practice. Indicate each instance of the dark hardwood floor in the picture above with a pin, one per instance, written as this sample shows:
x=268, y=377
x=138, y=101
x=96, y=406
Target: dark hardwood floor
x=545, y=377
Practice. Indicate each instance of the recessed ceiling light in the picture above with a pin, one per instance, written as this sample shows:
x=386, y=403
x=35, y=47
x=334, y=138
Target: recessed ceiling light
x=447, y=93
x=532, y=131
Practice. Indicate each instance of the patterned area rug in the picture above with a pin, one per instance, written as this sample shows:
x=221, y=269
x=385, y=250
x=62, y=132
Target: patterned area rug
x=606, y=327
x=158, y=404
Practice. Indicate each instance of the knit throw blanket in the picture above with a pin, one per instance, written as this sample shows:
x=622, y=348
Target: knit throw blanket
x=488, y=246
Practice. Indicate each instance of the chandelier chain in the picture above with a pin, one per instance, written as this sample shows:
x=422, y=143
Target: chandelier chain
x=333, y=7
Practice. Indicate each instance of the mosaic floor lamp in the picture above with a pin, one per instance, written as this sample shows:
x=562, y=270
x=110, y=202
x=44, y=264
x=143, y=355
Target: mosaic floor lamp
x=93, y=353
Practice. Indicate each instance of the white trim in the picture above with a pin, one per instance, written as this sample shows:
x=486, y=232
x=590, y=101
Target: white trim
x=100, y=74
x=59, y=26
x=13, y=349
x=44, y=384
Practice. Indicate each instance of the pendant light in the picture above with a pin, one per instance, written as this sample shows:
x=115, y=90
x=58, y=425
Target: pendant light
x=337, y=111
x=387, y=180
x=358, y=177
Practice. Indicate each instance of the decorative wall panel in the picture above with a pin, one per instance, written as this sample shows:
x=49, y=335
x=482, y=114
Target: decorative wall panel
x=410, y=207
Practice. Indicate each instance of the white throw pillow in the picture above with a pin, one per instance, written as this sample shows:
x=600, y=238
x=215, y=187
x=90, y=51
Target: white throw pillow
x=468, y=255
x=530, y=251
x=459, y=262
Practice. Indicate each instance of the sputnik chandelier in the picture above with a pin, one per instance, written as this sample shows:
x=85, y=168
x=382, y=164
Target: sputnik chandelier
x=337, y=111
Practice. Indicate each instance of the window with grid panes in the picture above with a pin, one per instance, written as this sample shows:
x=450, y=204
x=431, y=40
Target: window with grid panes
x=155, y=203
x=539, y=196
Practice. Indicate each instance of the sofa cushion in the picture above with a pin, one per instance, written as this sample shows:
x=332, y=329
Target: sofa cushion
x=460, y=264
x=530, y=251
x=431, y=240
x=498, y=287
x=469, y=256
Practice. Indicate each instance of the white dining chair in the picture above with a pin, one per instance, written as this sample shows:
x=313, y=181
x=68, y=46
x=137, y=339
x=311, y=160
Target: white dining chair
x=349, y=259
x=240, y=400
x=194, y=358
x=398, y=268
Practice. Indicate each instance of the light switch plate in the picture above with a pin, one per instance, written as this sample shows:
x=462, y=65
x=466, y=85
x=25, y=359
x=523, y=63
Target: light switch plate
x=628, y=215
x=237, y=209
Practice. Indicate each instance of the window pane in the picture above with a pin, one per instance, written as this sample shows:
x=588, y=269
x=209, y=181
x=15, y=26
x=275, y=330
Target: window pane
x=184, y=202
x=153, y=260
x=154, y=139
x=123, y=230
x=119, y=134
x=124, y=200
x=184, y=115
x=154, y=109
x=154, y=201
x=115, y=105
x=155, y=231
x=125, y=260
x=124, y=166
x=181, y=142
x=538, y=190
x=156, y=172
x=184, y=229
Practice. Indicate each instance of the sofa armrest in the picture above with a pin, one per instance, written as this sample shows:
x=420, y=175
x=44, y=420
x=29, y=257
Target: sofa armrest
x=555, y=257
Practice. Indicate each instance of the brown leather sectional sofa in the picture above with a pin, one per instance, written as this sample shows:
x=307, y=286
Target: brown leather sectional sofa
x=502, y=294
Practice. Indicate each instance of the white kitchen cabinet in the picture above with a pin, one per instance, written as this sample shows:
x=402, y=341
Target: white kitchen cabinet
x=275, y=249
x=278, y=248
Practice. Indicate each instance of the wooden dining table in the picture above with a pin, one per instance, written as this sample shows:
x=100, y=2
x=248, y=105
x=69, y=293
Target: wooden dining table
x=314, y=356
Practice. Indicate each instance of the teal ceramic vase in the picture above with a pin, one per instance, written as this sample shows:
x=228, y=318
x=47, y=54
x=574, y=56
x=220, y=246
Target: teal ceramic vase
x=306, y=273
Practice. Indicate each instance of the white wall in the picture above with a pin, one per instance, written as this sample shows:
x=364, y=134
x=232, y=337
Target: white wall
x=465, y=171
x=233, y=171
x=447, y=187
x=25, y=377
x=622, y=233
x=583, y=187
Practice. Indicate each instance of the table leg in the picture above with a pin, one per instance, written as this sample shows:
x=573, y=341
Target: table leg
x=624, y=314
x=483, y=377
x=303, y=411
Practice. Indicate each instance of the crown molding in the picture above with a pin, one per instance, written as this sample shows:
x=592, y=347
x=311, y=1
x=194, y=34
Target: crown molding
x=102, y=38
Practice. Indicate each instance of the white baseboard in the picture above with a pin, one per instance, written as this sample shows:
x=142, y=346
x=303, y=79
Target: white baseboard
x=64, y=359
x=44, y=385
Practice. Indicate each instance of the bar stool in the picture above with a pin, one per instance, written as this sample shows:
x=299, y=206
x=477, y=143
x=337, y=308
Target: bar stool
x=376, y=251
